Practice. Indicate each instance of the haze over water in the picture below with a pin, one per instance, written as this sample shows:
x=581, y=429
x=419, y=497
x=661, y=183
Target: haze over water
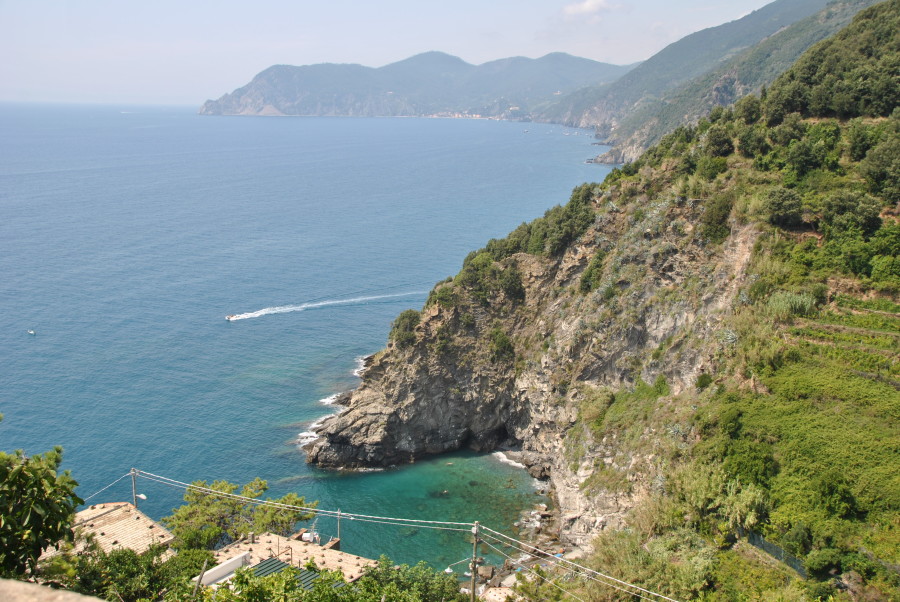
x=128, y=234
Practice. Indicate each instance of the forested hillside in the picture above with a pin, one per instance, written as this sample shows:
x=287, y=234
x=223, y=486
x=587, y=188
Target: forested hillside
x=432, y=83
x=700, y=353
x=735, y=77
x=604, y=106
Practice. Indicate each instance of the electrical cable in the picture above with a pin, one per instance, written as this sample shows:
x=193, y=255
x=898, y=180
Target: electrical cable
x=332, y=513
x=533, y=572
x=578, y=566
x=553, y=560
x=107, y=487
x=497, y=537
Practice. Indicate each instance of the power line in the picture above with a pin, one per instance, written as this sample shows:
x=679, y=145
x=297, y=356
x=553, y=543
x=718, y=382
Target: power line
x=107, y=487
x=535, y=573
x=498, y=537
x=578, y=567
x=319, y=511
x=554, y=560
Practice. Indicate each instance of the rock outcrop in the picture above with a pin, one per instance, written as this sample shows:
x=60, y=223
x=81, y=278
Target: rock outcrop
x=656, y=311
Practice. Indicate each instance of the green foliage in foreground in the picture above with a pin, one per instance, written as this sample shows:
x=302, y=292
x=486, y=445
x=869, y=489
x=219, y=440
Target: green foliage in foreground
x=37, y=506
x=123, y=575
x=385, y=581
x=207, y=521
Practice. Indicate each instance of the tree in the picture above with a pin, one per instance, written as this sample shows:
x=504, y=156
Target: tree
x=123, y=575
x=37, y=505
x=403, y=329
x=718, y=141
x=785, y=207
x=209, y=520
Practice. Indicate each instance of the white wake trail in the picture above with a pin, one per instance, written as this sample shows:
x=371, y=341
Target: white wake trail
x=284, y=309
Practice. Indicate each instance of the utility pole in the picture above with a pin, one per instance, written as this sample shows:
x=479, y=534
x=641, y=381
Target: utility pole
x=339, y=523
x=474, y=561
x=134, y=487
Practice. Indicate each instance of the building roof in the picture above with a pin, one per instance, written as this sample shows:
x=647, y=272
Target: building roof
x=121, y=525
x=270, y=566
x=294, y=552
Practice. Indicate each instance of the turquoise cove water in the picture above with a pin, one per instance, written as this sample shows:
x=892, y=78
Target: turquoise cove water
x=128, y=234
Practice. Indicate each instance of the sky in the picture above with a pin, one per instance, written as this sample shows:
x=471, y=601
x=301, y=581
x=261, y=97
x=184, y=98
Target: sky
x=183, y=52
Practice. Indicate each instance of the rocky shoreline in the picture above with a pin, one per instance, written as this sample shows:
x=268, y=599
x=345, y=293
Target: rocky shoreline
x=445, y=387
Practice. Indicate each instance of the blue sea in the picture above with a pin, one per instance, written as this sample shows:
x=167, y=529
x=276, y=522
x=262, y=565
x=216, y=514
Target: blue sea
x=127, y=234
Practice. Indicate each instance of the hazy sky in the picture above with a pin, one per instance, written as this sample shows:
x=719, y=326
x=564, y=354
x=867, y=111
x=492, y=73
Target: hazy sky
x=186, y=51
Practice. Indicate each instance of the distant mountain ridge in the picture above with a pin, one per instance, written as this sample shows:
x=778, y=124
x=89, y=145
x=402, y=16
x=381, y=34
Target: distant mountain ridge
x=432, y=83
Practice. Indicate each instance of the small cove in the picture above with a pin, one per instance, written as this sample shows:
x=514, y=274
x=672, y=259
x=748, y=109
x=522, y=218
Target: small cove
x=128, y=236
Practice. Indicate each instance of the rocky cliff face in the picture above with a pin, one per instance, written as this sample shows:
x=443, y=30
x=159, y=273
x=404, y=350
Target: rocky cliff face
x=658, y=296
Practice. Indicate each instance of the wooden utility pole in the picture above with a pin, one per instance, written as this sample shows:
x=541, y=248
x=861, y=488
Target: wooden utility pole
x=474, y=562
x=134, y=487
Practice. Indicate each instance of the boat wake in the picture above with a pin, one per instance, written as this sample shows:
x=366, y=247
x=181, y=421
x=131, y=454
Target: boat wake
x=284, y=309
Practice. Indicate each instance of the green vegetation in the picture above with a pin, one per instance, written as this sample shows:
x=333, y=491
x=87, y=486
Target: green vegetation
x=403, y=329
x=549, y=235
x=501, y=346
x=385, y=581
x=207, y=521
x=37, y=506
x=753, y=67
x=592, y=275
x=793, y=433
x=122, y=575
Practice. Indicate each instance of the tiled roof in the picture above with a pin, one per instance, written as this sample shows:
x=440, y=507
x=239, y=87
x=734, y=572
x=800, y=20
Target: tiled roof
x=296, y=553
x=121, y=525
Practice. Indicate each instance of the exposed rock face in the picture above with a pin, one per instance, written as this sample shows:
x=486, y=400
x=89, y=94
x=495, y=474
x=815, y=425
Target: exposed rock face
x=658, y=306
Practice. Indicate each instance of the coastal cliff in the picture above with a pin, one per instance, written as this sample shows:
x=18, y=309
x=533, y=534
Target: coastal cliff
x=489, y=367
x=700, y=353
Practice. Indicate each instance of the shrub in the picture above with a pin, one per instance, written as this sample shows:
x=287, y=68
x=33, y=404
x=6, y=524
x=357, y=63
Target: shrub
x=703, y=381
x=748, y=108
x=752, y=142
x=511, y=284
x=443, y=295
x=715, y=218
x=881, y=169
x=709, y=167
x=403, y=328
x=501, y=346
x=848, y=210
x=590, y=279
x=750, y=462
x=784, y=207
x=718, y=141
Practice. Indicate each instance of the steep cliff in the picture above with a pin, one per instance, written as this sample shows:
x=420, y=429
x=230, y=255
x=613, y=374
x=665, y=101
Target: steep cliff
x=661, y=285
x=701, y=346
